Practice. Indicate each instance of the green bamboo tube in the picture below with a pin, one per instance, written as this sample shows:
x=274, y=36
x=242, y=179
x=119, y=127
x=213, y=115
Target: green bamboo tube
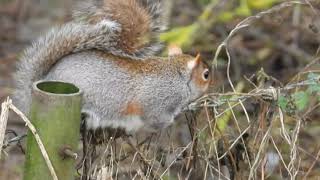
x=55, y=113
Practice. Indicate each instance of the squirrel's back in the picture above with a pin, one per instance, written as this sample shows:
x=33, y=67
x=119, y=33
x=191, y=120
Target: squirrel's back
x=122, y=93
x=125, y=28
x=123, y=85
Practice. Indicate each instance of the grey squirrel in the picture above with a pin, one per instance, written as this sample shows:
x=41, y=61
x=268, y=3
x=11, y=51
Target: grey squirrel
x=107, y=51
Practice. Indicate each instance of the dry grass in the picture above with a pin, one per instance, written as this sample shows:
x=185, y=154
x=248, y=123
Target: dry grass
x=225, y=135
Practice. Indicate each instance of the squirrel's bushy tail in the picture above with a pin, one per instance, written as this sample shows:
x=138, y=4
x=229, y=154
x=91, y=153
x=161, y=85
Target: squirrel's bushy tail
x=141, y=22
x=123, y=27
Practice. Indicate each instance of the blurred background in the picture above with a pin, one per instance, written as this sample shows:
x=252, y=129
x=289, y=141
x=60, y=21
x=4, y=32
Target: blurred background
x=279, y=48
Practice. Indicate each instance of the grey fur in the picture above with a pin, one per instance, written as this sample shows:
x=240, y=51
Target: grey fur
x=70, y=38
x=68, y=53
x=38, y=59
x=158, y=24
x=88, y=8
x=108, y=88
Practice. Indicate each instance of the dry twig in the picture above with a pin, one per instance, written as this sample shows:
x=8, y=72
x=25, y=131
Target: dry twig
x=3, y=119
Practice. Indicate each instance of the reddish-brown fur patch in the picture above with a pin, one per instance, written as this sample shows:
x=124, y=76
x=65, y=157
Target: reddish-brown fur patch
x=134, y=20
x=151, y=65
x=174, y=50
x=135, y=23
x=133, y=109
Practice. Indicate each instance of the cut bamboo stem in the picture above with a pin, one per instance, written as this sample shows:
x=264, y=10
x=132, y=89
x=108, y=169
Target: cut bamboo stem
x=55, y=113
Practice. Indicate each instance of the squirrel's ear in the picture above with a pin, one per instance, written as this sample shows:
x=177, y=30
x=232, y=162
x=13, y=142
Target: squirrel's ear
x=174, y=50
x=195, y=62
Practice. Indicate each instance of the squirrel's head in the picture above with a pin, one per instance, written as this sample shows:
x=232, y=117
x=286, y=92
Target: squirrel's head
x=198, y=72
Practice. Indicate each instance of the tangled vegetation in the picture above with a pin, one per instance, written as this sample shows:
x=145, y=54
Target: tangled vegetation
x=261, y=117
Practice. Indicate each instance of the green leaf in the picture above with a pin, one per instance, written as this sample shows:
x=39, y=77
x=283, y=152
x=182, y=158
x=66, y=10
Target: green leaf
x=180, y=35
x=314, y=88
x=222, y=121
x=243, y=9
x=205, y=2
x=313, y=76
x=168, y=177
x=226, y=16
x=301, y=99
x=283, y=102
x=314, y=79
x=261, y=4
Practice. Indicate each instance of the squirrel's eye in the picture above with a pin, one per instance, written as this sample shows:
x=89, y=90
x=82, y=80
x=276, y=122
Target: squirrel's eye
x=205, y=74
